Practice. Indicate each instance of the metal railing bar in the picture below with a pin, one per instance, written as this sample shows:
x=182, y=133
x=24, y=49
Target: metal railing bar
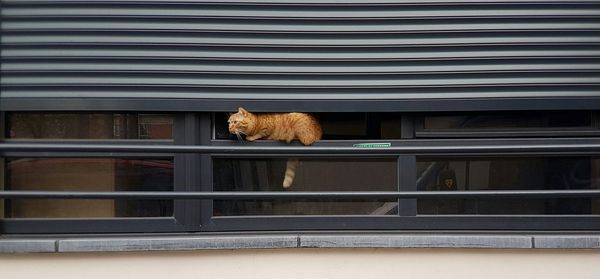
x=154, y=195
x=309, y=150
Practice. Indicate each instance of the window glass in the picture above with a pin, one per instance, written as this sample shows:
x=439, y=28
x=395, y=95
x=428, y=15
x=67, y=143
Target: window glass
x=355, y=174
x=509, y=120
x=25, y=125
x=88, y=174
x=2, y=160
x=339, y=125
x=2, y=182
x=542, y=173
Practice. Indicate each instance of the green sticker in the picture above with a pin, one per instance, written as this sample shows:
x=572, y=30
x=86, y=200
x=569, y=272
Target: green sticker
x=372, y=145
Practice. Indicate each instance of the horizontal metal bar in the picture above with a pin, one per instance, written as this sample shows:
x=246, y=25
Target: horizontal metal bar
x=92, y=225
x=153, y=195
x=320, y=3
x=403, y=147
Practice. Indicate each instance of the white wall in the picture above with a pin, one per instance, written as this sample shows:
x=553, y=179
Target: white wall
x=309, y=263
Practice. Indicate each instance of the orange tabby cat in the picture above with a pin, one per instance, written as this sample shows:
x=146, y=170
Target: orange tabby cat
x=277, y=126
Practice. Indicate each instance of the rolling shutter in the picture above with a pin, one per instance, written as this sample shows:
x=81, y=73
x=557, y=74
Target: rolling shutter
x=300, y=55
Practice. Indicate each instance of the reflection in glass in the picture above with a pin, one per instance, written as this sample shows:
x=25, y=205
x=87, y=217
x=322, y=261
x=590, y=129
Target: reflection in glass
x=26, y=125
x=512, y=120
x=354, y=174
x=88, y=174
x=541, y=173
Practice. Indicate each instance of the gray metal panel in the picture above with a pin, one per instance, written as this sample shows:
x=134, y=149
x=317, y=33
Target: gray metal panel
x=215, y=52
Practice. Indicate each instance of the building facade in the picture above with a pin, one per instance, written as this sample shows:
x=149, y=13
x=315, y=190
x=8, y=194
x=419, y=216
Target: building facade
x=447, y=124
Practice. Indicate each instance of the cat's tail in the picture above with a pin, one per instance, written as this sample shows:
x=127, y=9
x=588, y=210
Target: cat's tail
x=290, y=172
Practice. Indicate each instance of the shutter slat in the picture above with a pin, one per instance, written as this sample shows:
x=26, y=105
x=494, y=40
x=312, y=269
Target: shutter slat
x=268, y=50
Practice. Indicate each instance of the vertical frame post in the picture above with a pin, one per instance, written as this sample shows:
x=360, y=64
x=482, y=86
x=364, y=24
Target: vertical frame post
x=407, y=181
x=187, y=168
x=205, y=130
x=407, y=127
x=407, y=170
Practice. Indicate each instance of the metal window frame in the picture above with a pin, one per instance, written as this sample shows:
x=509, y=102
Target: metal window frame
x=405, y=220
x=180, y=221
x=196, y=150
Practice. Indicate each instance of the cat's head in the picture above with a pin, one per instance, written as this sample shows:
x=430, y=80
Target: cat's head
x=241, y=122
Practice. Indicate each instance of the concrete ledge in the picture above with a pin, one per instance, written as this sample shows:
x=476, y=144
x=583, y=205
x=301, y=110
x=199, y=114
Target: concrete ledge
x=23, y=244
x=27, y=245
x=177, y=243
x=567, y=242
x=415, y=241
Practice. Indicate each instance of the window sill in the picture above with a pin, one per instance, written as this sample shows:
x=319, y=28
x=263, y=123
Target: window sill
x=36, y=244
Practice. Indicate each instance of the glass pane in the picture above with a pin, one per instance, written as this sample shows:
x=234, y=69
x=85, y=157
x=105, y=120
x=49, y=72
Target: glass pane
x=511, y=119
x=354, y=174
x=88, y=174
x=25, y=125
x=2, y=184
x=542, y=173
x=339, y=125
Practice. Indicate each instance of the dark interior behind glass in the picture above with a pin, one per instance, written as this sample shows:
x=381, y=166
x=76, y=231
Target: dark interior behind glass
x=508, y=173
x=327, y=174
x=508, y=120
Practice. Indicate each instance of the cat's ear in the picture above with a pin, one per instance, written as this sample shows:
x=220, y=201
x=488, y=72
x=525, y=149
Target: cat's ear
x=242, y=111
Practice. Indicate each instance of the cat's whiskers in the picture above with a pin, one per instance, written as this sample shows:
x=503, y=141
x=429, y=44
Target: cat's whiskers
x=237, y=134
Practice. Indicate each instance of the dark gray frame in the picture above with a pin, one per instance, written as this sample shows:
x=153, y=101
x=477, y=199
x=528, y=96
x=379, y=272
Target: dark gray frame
x=407, y=219
x=194, y=132
x=181, y=220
